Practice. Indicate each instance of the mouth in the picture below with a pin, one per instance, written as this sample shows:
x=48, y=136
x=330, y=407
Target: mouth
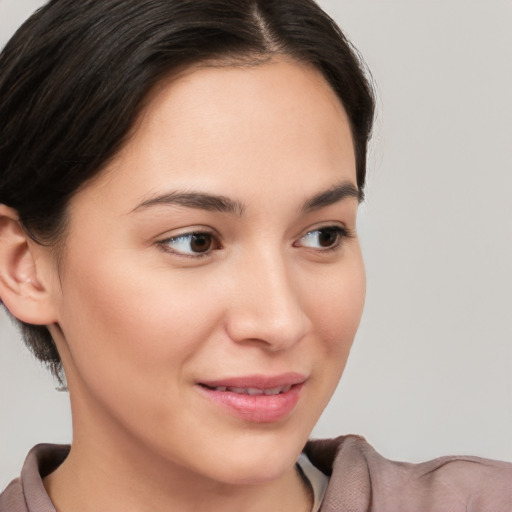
x=251, y=391
x=255, y=399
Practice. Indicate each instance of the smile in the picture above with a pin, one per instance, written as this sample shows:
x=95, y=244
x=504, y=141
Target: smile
x=254, y=391
x=255, y=399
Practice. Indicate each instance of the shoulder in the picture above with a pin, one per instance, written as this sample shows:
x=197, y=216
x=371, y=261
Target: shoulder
x=11, y=499
x=27, y=493
x=361, y=480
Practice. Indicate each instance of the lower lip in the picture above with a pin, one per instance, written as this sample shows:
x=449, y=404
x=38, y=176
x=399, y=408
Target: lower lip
x=256, y=408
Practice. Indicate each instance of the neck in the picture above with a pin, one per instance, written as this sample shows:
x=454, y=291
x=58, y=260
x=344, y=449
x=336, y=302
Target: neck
x=87, y=484
x=118, y=473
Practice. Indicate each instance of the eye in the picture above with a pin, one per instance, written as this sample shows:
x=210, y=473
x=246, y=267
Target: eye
x=191, y=244
x=324, y=239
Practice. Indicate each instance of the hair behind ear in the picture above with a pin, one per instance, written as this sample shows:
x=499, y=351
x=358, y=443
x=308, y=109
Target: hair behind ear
x=24, y=294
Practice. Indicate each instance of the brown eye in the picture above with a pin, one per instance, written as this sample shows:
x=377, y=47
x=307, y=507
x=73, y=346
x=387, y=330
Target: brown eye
x=327, y=237
x=201, y=242
x=191, y=244
x=323, y=238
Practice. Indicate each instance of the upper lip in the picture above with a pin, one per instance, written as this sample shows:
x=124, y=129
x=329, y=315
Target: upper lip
x=257, y=381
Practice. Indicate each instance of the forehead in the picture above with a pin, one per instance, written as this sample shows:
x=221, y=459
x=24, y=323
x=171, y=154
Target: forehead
x=235, y=129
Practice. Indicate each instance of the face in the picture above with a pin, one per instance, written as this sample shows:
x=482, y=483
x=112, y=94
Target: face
x=212, y=282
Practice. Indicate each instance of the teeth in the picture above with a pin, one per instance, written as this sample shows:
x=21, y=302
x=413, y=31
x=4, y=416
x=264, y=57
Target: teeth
x=277, y=391
x=273, y=391
x=254, y=391
x=241, y=391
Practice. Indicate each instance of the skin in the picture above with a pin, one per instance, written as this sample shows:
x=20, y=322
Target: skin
x=140, y=319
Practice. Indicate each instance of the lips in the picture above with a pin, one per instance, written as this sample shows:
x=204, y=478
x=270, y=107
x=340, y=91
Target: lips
x=258, y=399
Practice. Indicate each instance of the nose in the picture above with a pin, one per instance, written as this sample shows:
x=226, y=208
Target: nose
x=266, y=306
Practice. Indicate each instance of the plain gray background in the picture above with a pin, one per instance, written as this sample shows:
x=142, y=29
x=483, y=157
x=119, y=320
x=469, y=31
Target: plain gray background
x=431, y=369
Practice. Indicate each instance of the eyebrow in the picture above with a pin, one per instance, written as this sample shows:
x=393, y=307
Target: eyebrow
x=199, y=200
x=332, y=196
x=223, y=204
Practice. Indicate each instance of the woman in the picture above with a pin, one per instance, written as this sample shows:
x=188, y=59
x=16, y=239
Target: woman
x=178, y=208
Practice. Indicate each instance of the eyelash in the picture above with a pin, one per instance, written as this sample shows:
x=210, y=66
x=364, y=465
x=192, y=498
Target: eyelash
x=339, y=232
x=213, y=239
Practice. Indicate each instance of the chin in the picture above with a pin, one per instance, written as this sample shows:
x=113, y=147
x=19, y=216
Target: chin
x=254, y=462
x=256, y=473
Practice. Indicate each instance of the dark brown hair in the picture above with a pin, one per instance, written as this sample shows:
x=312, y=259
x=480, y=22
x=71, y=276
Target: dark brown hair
x=74, y=76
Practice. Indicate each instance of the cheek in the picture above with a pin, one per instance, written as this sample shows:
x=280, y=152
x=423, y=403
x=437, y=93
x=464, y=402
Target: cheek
x=121, y=323
x=337, y=303
x=132, y=338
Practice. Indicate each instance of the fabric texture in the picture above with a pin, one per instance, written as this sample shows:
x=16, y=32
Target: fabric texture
x=364, y=481
x=361, y=480
x=316, y=480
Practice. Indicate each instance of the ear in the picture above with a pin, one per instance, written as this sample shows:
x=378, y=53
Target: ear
x=24, y=279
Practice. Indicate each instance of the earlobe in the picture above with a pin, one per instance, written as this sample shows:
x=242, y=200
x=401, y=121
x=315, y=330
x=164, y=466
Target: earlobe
x=22, y=290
